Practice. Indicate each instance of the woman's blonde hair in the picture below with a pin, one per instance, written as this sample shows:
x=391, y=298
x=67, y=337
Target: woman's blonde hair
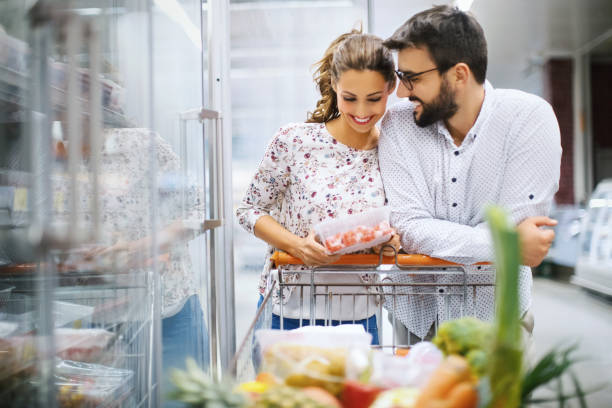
x=352, y=50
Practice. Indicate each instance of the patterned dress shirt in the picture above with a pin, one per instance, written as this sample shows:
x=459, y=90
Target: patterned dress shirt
x=439, y=191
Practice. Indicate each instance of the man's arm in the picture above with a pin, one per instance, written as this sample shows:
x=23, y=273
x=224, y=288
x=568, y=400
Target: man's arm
x=532, y=169
x=420, y=232
x=408, y=191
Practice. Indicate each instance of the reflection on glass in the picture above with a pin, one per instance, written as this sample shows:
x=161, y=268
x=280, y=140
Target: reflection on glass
x=114, y=162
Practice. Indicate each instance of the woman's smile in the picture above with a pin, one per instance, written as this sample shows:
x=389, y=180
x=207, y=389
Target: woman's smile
x=361, y=121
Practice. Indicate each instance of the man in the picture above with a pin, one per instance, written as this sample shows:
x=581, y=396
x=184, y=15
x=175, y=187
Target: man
x=456, y=145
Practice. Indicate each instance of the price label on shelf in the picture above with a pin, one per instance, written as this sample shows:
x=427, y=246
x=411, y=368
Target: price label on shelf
x=20, y=200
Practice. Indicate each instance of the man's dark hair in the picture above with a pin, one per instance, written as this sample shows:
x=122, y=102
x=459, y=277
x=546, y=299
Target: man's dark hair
x=450, y=35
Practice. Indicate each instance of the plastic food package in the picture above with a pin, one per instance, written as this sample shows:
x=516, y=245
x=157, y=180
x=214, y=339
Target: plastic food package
x=355, y=232
x=86, y=345
x=311, y=355
x=390, y=371
x=16, y=353
x=7, y=328
x=13, y=53
x=91, y=385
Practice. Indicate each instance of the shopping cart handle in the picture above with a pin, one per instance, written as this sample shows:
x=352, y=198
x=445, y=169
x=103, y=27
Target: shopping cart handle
x=283, y=258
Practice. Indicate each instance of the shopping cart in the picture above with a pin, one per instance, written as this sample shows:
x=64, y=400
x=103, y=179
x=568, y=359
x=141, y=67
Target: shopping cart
x=360, y=285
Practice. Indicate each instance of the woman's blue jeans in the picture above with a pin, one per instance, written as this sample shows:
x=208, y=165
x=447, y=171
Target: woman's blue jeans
x=183, y=335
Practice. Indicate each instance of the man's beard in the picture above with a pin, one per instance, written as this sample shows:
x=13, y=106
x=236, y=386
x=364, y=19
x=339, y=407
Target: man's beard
x=441, y=108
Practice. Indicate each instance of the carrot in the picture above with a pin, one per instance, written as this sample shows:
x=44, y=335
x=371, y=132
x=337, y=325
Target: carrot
x=452, y=370
x=463, y=395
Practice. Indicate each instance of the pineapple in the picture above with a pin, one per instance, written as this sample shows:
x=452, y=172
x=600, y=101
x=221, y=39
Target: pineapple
x=193, y=387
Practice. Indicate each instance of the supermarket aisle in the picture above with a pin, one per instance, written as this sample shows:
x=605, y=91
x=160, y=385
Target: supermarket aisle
x=564, y=314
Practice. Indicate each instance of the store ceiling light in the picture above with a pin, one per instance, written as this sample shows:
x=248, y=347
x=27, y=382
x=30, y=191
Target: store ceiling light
x=174, y=11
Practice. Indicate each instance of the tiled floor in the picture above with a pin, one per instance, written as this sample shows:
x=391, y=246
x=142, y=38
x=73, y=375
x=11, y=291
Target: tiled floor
x=564, y=314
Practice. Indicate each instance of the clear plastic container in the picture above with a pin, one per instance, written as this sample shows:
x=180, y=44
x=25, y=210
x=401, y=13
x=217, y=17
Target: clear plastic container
x=91, y=385
x=355, y=232
x=84, y=345
x=311, y=355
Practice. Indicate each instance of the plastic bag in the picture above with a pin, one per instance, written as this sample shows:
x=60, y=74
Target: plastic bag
x=86, y=345
x=311, y=355
x=355, y=232
x=390, y=371
x=90, y=385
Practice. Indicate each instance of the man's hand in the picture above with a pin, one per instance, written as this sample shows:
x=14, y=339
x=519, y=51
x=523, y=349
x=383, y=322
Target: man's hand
x=394, y=241
x=535, y=242
x=312, y=253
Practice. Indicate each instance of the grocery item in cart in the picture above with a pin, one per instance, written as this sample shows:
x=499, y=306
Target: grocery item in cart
x=91, y=385
x=311, y=355
x=391, y=371
x=355, y=232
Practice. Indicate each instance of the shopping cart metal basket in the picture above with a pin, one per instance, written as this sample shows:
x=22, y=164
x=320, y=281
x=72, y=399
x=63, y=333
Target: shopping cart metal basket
x=357, y=286
x=360, y=285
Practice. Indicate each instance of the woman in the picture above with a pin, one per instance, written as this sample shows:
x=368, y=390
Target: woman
x=125, y=203
x=324, y=168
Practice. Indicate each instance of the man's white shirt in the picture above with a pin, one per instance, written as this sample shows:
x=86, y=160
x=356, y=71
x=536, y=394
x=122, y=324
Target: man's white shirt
x=439, y=192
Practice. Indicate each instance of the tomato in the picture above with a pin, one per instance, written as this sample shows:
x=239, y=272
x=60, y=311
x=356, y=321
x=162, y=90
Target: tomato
x=349, y=238
x=367, y=234
x=384, y=228
x=334, y=243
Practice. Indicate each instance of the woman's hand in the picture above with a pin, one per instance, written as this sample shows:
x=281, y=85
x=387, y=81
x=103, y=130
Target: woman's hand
x=394, y=241
x=312, y=253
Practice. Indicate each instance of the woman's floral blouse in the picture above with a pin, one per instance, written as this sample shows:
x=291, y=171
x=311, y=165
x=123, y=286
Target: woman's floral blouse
x=306, y=176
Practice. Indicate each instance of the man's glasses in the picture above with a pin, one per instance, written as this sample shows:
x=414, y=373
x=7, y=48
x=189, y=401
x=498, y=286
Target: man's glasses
x=407, y=79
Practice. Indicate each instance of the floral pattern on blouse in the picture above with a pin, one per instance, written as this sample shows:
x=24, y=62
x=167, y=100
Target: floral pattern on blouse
x=125, y=203
x=305, y=177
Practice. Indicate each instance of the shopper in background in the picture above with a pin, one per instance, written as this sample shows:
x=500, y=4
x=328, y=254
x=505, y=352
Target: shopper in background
x=324, y=168
x=125, y=205
x=456, y=145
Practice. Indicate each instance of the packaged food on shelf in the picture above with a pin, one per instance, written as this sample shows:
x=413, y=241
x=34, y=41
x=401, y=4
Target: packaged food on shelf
x=16, y=354
x=13, y=53
x=355, y=232
x=112, y=93
x=5, y=294
x=68, y=312
x=21, y=310
x=7, y=328
x=85, y=345
x=91, y=385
